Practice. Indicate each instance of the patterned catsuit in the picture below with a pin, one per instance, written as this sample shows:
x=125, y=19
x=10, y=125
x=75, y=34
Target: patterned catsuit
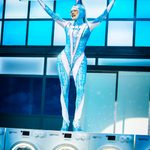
x=73, y=60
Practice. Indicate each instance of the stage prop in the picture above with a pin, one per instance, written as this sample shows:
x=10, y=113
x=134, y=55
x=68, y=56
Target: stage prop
x=33, y=139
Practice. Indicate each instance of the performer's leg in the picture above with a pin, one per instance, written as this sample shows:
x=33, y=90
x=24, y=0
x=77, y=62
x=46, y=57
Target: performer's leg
x=79, y=74
x=64, y=76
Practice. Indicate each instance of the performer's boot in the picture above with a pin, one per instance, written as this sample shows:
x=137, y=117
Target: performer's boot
x=65, y=126
x=77, y=125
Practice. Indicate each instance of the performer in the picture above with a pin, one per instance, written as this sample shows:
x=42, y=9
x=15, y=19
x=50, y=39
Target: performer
x=72, y=57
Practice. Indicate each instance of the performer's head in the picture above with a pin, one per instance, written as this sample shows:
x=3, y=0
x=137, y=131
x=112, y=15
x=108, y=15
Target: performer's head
x=78, y=12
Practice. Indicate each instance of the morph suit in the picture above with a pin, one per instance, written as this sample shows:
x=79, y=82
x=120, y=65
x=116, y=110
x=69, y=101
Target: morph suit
x=72, y=58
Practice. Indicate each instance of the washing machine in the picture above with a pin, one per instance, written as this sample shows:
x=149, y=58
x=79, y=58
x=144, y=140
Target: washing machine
x=142, y=142
x=67, y=140
x=2, y=137
x=111, y=142
x=25, y=139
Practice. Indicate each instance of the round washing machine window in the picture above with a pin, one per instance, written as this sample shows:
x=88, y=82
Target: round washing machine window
x=65, y=147
x=109, y=148
x=23, y=146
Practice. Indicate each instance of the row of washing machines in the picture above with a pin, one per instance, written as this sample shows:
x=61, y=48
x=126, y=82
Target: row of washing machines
x=29, y=139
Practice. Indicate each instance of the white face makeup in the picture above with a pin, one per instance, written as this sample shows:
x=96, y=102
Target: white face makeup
x=74, y=13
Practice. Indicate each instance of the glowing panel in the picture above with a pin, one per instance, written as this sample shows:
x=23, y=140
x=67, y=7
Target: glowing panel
x=16, y=9
x=122, y=9
x=14, y=33
x=63, y=8
x=140, y=122
x=123, y=62
x=40, y=33
x=94, y=8
x=120, y=33
x=51, y=66
x=99, y=102
x=36, y=11
x=1, y=8
x=133, y=102
x=142, y=33
x=143, y=9
x=19, y=65
x=97, y=37
x=59, y=35
x=0, y=30
x=91, y=61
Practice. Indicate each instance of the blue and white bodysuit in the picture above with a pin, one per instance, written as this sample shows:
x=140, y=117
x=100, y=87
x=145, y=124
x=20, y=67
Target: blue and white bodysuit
x=72, y=58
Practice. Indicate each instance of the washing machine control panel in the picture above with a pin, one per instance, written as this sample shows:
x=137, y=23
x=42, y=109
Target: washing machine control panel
x=68, y=140
x=39, y=134
x=111, y=138
x=76, y=136
x=67, y=135
x=120, y=138
x=125, y=139
x=25, y=133
x=80, y=137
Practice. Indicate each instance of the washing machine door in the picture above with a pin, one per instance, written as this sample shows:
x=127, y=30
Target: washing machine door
x=23, y=146
x=109, y=148
x=65, y=147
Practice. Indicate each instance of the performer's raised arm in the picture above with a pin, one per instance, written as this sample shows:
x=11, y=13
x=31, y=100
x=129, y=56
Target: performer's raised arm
x=54, y=16
x=96, y=22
